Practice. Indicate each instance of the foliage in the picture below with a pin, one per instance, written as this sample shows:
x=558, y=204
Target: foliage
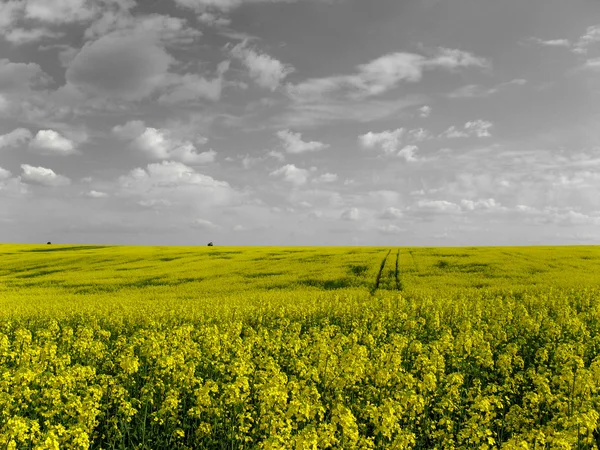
x=278, y=348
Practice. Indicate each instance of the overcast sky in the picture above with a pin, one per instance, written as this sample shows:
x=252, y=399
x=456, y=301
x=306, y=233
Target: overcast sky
x=300, y=122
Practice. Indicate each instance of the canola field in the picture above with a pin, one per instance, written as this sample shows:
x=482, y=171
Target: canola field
x=299, y=347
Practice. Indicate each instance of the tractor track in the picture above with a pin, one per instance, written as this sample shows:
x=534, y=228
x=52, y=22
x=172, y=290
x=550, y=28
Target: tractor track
x=378, y=279
x=399, y=286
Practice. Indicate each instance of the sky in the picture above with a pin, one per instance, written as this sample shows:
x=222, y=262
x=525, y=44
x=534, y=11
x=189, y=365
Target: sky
x=300, y=122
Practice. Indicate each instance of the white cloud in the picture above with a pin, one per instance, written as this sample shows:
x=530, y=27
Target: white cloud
x=96, y=194
x=15, y=138
x=437, y=206
x=485, y=204
x=130, y=130
x=265, y=70
x=326, y=178
x=58, y=12
x=390, y=229
x=321, y=110
x=4, y=174
x=453, y=133
x=477, y=128
x=292, y=174
x=167, y=30
x=293, y=143
x=204, y=224
x=223, y=5
x=418, y=135
x=451, y=59
x=154, y=203
x=43, y=176
x=389, y=141
x=373, y=78
x=592, y=63
x=408, y=153
x=391, y=213
x=176, y=184
x=214, y=20
x=191, y=86
x=591, y=37
x=52, y=143
x=552, y=42
x=424, y=111
x=19, y=36
x=351, y=214
x=477, y=91
x=161, y=143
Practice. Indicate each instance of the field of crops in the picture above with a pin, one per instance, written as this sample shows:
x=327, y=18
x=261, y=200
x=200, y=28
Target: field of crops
x=299, y=347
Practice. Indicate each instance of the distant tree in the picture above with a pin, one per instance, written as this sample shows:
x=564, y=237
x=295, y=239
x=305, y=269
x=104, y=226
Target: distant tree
x=49, y=243
x=210, y=244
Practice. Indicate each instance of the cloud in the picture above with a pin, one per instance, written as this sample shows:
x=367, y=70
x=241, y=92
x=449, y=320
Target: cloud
x=373, y=78
x=383, y=74
x=485, y=204
x=352, y=214
x=436, y=206
x=452, y=59
x=265, y=70
x=418, y=135
x=292, y=174
x=477, y=128
x=591, y=37
x=204, y=224
x=58, y=12
x=326, y=178
x=293, y=143
x=213, y=20
x=178, y=184
x=161, y=143
x=129, y=68
x=552, y=42
x=191, y=86
x=424, y=111
x=592, y=63
x=19, y=36
x=96, y=194
x=390, y=142
x=390, y=229
x=9, y=12
x=167, y=30
x=408, y=153
x=4, y=174
x=224, y=5
x=16, y=77
x=391, y=213
x=50, y=142
x=15, y=138
x=43, y=176
x=477, y=91
x=322, y=110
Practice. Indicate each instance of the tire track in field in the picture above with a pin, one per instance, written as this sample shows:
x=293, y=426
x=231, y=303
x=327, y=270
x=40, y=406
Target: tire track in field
x=378, y=279
x=399, y=286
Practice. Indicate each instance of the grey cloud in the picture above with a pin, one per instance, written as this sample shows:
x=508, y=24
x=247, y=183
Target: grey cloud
x=116, y=67
x=16, y=77
x=15, y=138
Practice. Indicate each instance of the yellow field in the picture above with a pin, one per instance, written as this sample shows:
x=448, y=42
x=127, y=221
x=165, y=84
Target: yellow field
x=299, y=347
